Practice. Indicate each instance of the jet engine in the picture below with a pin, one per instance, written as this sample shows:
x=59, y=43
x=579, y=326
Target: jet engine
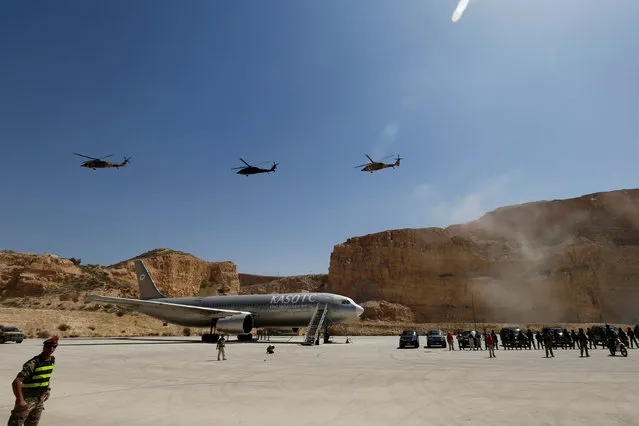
x=235, y=324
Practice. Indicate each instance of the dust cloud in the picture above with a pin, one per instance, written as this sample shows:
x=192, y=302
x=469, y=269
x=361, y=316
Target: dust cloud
x=549, y=262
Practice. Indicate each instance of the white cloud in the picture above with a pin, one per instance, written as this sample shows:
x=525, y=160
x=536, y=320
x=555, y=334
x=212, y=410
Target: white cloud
x=427, y=207
x=386, y=140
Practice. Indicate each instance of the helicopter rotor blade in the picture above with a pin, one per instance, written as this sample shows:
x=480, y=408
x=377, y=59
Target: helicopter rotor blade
x=107, y=156
x=86, y=156
x=247, y=164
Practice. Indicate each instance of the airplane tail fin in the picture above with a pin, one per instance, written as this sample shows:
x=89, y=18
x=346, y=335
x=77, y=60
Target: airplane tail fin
x=148, y=289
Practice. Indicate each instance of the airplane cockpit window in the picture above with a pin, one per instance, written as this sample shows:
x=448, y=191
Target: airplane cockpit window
x=346, y=302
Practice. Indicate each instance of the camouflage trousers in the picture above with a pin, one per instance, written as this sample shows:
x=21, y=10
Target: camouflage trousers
x=28, y=417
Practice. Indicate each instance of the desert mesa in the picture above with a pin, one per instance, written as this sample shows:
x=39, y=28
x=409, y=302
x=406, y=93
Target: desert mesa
x=562, y=261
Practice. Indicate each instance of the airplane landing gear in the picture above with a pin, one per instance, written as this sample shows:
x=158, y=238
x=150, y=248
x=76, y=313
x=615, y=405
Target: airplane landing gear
x=245, y=337
x=211, y=337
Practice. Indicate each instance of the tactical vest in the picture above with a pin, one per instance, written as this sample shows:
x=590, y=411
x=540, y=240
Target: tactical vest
x=38, y=382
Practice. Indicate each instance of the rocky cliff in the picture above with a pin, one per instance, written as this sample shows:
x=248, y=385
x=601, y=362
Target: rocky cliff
x=30, y=280
x=574, y=260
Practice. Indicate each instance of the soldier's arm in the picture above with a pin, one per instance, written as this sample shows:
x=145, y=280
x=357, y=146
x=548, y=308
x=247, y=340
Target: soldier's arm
x=27, y=370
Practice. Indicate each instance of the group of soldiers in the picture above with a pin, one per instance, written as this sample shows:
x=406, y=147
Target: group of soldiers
x=548, y=339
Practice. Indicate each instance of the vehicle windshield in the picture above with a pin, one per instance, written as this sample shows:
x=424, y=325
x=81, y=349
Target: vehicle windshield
x=434, y=332
x=408, y=333
x=9, y=329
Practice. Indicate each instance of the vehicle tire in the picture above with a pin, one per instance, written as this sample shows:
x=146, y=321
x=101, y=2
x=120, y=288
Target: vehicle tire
x=18, y=341
x=444, y=345
x=401, y=346
x=1, y=339
x=624, y=352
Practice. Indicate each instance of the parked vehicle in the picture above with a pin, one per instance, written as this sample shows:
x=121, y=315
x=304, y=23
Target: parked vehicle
x=435, y=338
x=466, y=336
x=619, y=347
x=513, y=337
x=10, y=334
x=409, y=338
x=599, y=333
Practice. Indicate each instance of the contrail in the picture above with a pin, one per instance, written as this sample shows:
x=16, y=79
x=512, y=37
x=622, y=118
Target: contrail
x=459, y=11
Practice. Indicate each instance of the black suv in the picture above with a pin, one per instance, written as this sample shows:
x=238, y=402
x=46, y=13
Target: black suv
x=560, y=332
x=513, y=337
x=435, y=338
x=599, y=333
x=465, y=339
x=410, y=338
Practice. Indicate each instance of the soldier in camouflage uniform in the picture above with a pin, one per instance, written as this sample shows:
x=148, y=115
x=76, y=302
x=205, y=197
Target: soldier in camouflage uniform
x=31, y=386
x=220, y=348
x=548, y=342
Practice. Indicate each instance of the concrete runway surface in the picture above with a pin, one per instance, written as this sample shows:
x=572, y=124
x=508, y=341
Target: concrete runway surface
x=177, y=381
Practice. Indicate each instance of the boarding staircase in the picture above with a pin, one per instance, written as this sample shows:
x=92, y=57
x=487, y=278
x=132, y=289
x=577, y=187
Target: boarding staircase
x=316, y=323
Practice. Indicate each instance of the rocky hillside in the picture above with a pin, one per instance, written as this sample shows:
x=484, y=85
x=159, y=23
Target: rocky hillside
x=574, y=260
x=28, y=280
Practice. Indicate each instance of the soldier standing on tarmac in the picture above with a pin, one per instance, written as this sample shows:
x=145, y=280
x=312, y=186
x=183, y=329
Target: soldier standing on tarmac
x=531, y=340
x=631, y=338
x=31, y=386
x=220, y=348
x=548, y=344
x=449, y=340
x=583, y=342
x=591, y=338
x=490, y=345
x=538, y=339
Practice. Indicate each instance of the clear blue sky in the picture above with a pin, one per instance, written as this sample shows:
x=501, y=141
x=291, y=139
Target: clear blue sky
x=520, y=100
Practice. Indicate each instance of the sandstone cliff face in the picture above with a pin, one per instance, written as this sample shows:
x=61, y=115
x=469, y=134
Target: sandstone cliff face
x=573, y=260
x=30, y=280
x=25, y=274
x=180, y=275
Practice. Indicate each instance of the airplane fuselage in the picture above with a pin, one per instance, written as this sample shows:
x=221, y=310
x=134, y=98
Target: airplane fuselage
x=269, y=310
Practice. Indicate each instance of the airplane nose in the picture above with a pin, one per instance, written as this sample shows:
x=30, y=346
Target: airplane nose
x=359, y=310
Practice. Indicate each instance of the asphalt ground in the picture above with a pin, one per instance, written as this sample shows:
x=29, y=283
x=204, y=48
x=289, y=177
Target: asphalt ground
x=178, y=381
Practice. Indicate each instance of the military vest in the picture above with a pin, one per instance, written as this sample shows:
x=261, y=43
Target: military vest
x=38, y=382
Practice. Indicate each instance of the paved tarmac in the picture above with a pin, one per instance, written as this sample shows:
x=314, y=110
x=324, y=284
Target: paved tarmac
x=169, y=381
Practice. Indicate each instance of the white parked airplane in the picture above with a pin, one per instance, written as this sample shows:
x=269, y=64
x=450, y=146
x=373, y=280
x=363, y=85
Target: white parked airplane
x=234, y=314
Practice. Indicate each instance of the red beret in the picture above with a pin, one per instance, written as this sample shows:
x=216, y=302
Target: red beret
x=53, y=339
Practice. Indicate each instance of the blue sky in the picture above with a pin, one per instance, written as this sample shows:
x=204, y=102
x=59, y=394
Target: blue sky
x=520, y=100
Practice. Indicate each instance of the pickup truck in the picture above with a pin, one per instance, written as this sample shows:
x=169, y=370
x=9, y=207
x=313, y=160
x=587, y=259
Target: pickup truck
x=10, y=334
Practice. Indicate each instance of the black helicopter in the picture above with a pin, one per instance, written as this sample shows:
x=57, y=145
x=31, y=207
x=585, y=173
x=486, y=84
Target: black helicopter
x=373, y=166
x=252, y=170
x=99, y=163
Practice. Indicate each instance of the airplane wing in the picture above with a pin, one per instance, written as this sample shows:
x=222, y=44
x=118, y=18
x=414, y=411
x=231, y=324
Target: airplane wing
x=166, y=310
